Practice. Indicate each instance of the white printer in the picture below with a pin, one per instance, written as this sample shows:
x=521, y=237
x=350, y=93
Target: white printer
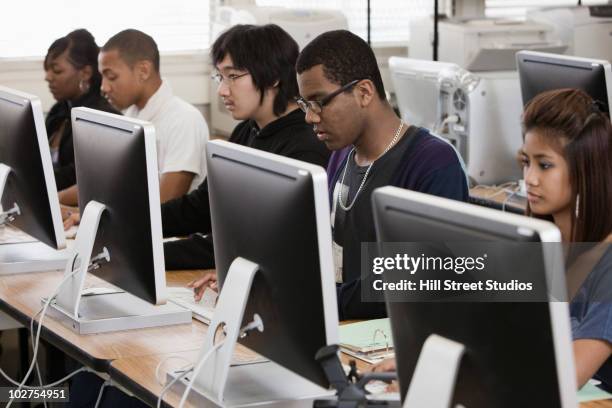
x=482, y=44
x=586, y=29
x=302, y=25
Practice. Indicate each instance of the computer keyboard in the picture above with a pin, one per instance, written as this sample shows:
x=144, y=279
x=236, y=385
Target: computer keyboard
x=12, y=235
x=202, y=310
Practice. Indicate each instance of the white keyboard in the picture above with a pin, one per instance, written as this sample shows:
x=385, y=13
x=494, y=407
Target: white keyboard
x=12, y=235
x=202, y=310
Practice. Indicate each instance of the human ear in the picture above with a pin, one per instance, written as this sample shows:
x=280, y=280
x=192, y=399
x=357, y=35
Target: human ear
x=144, y=69
x=365, y=92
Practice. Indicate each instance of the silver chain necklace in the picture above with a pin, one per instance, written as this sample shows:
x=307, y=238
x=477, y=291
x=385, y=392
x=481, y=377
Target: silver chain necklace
x=351, y=153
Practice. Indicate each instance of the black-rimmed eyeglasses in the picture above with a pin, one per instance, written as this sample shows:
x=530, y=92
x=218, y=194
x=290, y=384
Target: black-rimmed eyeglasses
x=317, y=106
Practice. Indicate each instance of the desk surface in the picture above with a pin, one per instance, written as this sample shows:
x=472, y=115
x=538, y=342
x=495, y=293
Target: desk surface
x=130, y=357
x=20, y=297
x=498, y=197
x=137, y=375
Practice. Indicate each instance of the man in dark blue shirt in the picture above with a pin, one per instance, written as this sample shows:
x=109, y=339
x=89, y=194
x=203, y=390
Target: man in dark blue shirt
x=343, y=96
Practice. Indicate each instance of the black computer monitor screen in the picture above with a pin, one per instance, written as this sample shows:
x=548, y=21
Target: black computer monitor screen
x=540, y=72
x=29, y=184
x=112, y=165
x=511, y=356
x=263, y=210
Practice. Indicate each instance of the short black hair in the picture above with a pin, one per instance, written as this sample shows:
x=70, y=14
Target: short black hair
x=268, y=53
x=82, y=51
x=345, y=58
x=134, y=46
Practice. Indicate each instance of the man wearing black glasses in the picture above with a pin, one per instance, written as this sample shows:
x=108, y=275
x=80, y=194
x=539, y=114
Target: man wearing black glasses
x=343, y=96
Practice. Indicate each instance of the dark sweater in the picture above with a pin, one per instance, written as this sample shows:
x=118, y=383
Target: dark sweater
x=419, y=162
x=65, y=173
x=288, y=136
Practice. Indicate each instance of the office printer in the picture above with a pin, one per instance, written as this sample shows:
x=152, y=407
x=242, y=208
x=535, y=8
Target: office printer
x=586, y=29
x=482, y=44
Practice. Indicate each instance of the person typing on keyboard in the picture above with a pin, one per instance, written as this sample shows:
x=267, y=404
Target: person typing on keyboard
x=209, y=280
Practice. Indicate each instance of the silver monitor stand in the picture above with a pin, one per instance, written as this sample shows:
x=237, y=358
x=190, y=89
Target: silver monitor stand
x=217, y=383
x=23, y=257
x=104, y=311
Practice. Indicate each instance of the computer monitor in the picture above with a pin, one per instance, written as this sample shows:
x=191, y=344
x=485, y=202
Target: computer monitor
x=540, y=72
x=29, y=192
x=273, y=212
x=116, y=171
x=479, y=114
x=516, y=353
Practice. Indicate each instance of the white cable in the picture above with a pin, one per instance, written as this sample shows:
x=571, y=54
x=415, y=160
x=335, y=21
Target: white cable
x=256, y=323
x=104, y=385
x=161, y=382
x=42, y=313
x=170, y=384
x=197, y=369
x=40, y=382
x=446, y=121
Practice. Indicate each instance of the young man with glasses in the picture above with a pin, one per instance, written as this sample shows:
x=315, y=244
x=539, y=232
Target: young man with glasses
x=255, y=76
x=344, y=100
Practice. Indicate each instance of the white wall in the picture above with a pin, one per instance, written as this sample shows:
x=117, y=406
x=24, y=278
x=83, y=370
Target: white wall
x=188, y=73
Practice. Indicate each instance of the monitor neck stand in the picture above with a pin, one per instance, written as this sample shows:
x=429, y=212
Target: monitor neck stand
x=19, y=255
x=104, y=310
x=228, y=317
x=433, y=381
x=69, y=297
x=8, y=215
x=218, y=381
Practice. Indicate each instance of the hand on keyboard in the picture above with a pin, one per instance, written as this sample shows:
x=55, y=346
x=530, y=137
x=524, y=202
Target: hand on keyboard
x=202, y=309
x=209, y=280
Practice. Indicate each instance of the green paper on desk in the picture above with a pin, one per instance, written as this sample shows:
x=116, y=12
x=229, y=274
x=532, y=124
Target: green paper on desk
x=368, y=335
x=590, y=392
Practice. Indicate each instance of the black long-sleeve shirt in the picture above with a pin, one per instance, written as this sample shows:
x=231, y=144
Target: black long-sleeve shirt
x=65, y=173
x=288, y=136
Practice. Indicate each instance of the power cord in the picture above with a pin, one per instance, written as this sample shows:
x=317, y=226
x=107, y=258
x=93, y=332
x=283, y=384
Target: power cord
x=43, y=311
x=104, y=385
x=187, y=370
x=447, y=120
x=197, y=369
x=255, y=324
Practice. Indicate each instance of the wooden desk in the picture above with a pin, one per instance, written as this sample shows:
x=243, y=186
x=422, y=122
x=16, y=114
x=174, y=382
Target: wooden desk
x=137, y=375
x=129, y=357
x=499, y=198
x=20, y=297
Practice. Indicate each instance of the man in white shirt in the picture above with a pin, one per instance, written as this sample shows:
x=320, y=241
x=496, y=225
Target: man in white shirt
x=131, y=82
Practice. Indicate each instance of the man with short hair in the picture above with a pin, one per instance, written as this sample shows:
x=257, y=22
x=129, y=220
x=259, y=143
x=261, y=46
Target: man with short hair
x=344, y=99
x=131, y=82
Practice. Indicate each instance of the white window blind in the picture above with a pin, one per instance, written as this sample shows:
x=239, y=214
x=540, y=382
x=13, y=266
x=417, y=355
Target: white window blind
x=30, y=26
x=390, y=19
